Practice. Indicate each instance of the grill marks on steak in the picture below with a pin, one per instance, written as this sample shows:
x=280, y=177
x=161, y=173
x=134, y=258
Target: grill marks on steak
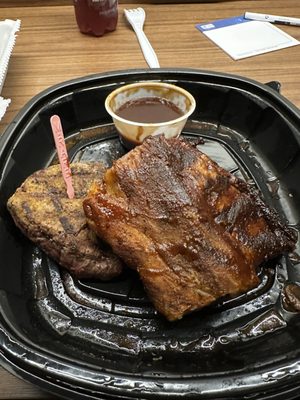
x=193, y=231
x=41, y=209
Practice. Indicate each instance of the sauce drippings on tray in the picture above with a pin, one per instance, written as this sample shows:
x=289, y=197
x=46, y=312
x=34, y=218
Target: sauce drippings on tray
x=149, y=110
x=291, y=297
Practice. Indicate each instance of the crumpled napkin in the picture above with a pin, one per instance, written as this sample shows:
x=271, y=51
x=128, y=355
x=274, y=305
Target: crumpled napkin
x=8, y=30
x=4, y=103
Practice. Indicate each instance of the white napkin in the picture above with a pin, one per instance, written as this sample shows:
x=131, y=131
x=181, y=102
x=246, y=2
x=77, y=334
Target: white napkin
x=4, y=103
x=8, y=29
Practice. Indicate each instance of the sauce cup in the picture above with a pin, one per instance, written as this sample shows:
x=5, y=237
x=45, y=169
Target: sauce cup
x=132, y=132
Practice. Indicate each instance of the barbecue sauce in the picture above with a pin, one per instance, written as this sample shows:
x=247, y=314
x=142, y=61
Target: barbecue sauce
x=291, y=297
x=149, y=110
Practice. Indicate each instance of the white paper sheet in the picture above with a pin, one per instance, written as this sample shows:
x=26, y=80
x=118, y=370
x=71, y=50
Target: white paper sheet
x=241, y=38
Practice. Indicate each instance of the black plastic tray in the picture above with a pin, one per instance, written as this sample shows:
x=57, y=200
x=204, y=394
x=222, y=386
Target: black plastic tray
x=93, y=340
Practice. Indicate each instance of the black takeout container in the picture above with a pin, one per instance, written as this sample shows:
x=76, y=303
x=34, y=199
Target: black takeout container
x=95, y=340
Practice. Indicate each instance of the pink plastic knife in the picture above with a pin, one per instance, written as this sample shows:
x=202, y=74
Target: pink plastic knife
x=60, y=145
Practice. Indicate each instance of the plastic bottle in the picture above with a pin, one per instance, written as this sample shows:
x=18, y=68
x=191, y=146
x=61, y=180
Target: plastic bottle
x=96, y=17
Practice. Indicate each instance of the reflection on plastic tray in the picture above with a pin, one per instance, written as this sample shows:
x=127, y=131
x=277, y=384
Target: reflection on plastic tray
x=104, y=338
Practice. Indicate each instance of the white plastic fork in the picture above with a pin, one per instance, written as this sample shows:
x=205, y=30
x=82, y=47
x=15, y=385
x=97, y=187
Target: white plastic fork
x=136, y=17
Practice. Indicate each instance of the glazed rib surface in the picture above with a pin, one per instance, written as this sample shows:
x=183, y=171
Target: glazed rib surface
x=193, y=231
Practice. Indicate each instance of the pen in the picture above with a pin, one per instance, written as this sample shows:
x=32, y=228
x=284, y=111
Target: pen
x=276, y=19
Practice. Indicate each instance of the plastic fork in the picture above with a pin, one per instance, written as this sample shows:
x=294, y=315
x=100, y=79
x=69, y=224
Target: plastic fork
x=136, y=17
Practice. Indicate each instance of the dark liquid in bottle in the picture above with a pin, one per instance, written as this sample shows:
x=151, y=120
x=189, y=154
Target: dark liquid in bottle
x=96, y=17
x=149, y=110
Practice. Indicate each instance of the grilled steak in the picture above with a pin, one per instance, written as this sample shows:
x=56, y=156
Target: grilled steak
x=193, y=231
x=44, y=213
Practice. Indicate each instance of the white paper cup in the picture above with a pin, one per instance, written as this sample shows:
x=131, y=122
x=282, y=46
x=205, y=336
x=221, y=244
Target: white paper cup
x=133, y=133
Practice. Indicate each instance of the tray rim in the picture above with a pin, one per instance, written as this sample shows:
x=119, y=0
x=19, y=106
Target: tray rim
x=34, y=102
x=72, y=83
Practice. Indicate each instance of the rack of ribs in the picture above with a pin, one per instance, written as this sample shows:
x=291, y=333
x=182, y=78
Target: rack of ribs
x=193, y=231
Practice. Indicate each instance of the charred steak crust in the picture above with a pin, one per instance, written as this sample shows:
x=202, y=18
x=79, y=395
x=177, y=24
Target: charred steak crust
x=193, y=231
x=43, y=212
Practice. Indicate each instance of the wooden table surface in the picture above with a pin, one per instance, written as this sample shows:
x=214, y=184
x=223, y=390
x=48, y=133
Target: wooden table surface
x=50, y=49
